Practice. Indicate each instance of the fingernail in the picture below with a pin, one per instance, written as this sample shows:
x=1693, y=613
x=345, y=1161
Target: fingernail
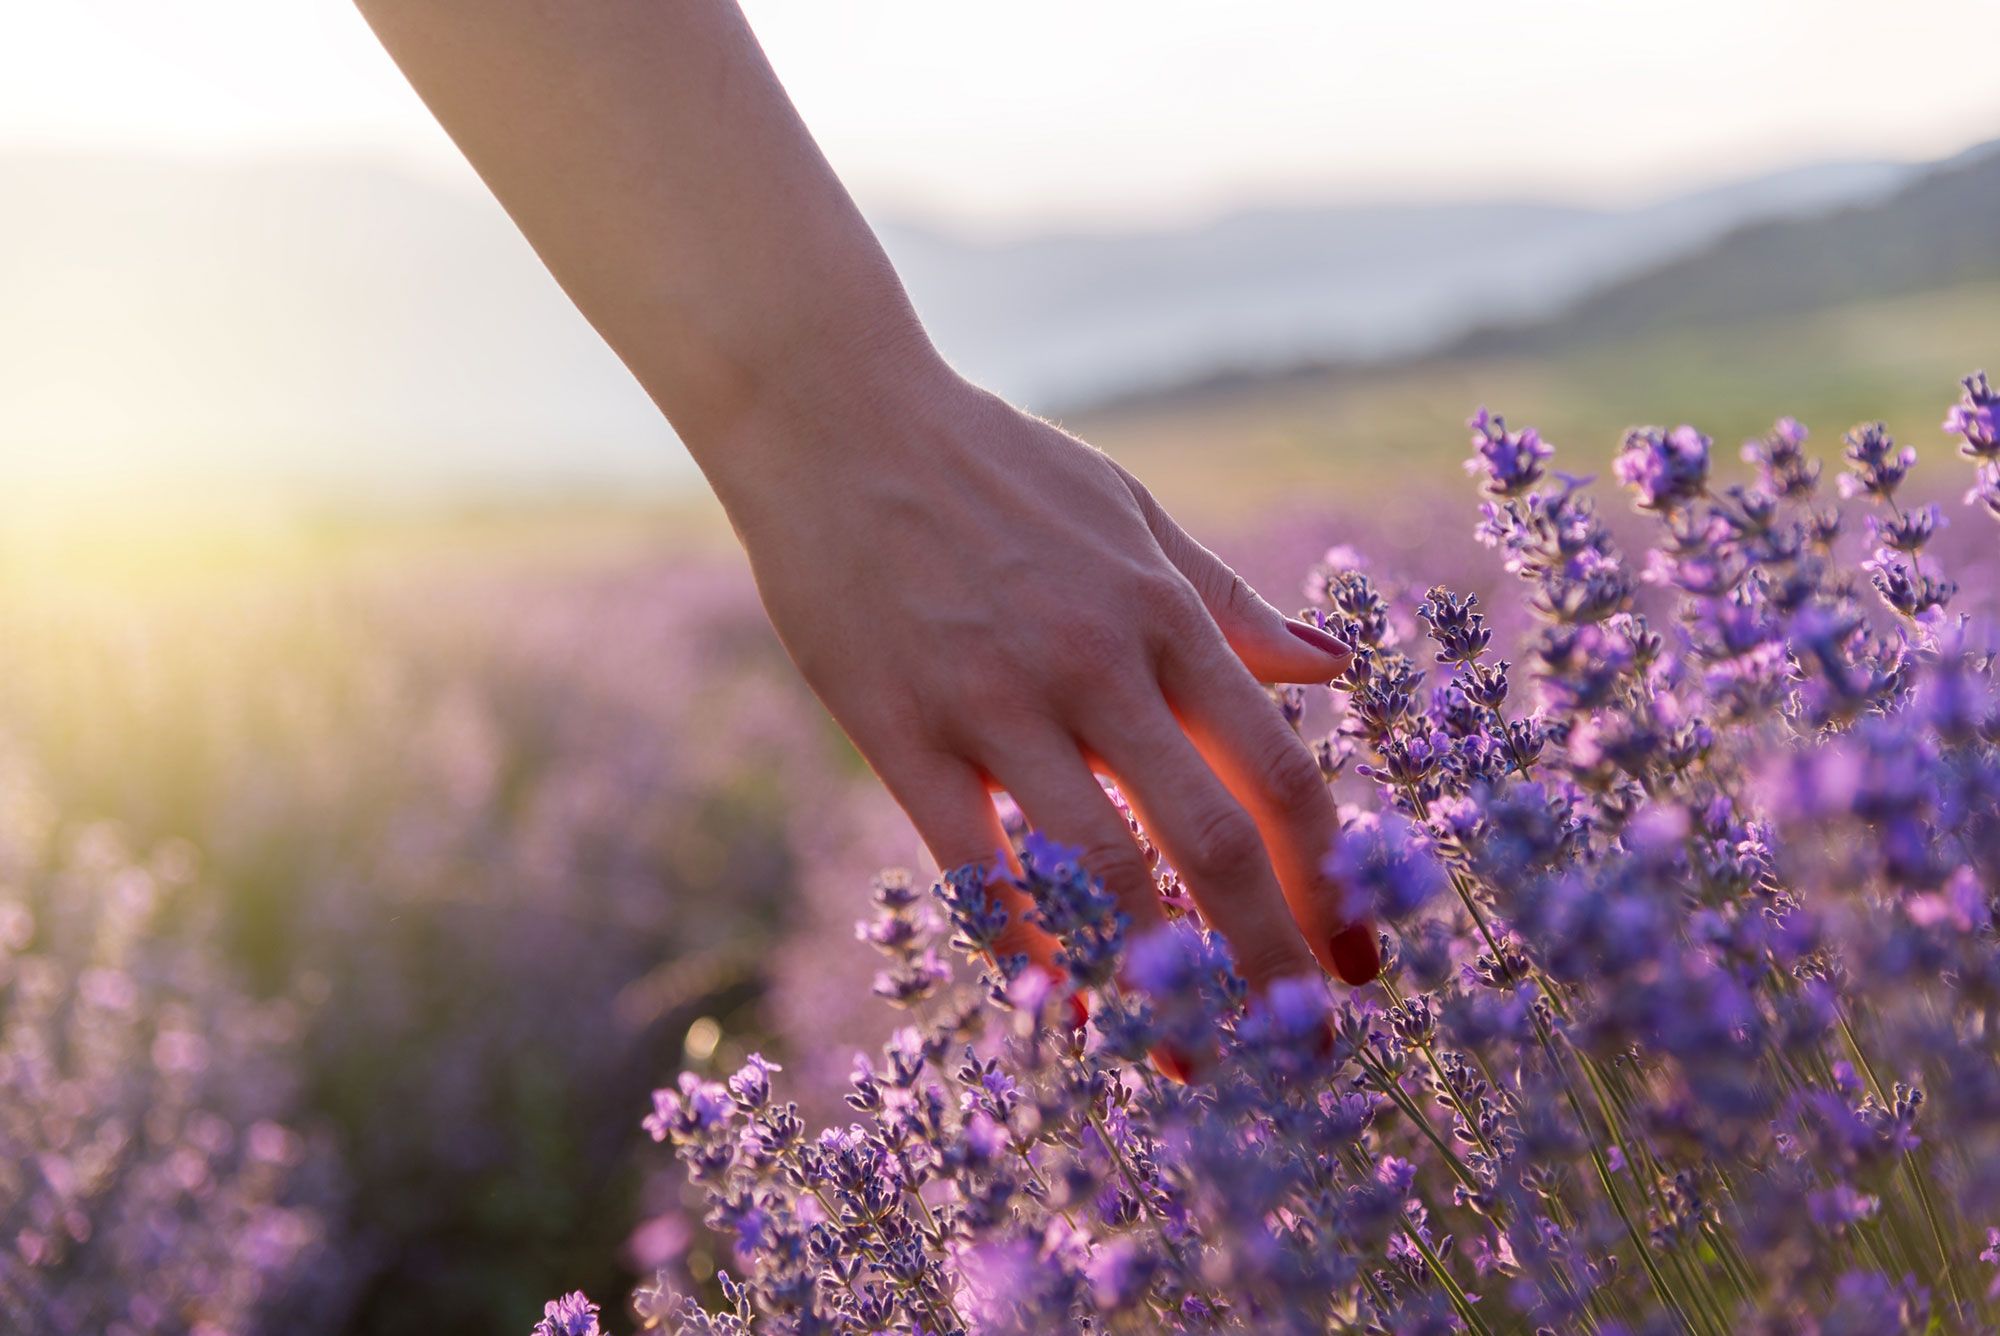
x=1173, y=1066
x=1079, y=1011
x=1356, y=956
x=1325, y=1042
x=1318, y=639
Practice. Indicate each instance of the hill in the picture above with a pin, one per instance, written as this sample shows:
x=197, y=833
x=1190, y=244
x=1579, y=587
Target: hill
x=1871, y=310
x=1063, y=319
x=1389, y=437
x=1940, y=230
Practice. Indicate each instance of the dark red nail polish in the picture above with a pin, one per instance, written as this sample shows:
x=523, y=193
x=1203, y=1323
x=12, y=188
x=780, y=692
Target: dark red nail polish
x=1325, y=1041
x=1173, y=1066
x=1356, y=956
x=1079, y=1011
x=1318, y=639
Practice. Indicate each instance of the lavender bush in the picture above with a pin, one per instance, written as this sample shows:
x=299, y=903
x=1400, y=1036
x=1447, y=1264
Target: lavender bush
x=1688, y=1016
x=147, y=1186
x=493, y=838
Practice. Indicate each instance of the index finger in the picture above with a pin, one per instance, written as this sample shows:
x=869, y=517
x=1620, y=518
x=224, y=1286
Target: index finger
x=1258, y=756
x=1213, y=843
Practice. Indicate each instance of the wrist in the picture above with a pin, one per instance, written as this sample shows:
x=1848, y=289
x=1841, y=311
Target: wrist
x=850, y=401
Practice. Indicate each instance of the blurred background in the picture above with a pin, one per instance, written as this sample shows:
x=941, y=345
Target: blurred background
x=397, y=776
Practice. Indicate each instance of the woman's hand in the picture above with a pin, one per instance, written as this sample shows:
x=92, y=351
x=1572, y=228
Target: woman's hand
x=980, y=599
x=983, y=601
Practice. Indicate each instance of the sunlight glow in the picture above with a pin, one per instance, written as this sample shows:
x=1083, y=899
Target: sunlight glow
x=1119, y=109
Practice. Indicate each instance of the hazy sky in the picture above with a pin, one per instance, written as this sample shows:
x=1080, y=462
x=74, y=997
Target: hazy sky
x=1115, y=110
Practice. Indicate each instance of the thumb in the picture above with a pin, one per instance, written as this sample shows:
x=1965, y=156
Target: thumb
x=1274, y=647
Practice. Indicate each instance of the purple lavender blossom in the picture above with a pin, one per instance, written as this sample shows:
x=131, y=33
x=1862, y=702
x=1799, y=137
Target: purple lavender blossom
x=1908, y=531
x=1985, y=491
x=1976, y=418
x=1507, y=463
x=1876, y=467
x=1384, y=867
x=1668, y=469
x=571, y=1315
x=1783, y=468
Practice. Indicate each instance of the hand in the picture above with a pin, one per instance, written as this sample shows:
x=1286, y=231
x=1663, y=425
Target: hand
x=982, y=601
x=979, y=599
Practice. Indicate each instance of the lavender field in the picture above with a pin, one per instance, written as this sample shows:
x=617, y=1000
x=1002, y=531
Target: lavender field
x=348, y=925
x=438, y=876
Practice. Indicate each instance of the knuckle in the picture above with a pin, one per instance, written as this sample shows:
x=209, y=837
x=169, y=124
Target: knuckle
x=1275, y=956
x=953, y=854
x=1020, y=937
x=981, y=726
x=1238, y=596
x=979, y=678
x=1160, y=592
x=898, y=723
x=1170, y=603
x=1116, y=862
x=987, y=679
x=1089, y=655
x=1291, y=780
x=1224, y=843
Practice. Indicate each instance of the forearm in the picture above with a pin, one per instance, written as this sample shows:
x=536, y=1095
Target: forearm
x=651, y=157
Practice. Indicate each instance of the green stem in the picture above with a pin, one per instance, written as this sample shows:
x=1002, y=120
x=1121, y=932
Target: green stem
x=1444, y=1082
x=1910, y=1164
x=1436, y=1264
x=1388, y=1084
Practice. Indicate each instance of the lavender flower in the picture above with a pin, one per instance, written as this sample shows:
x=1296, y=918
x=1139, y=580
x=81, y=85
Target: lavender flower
x=1507, y=463
x=1385, y=867
x=1976, y=418
x=1985, y=490
x=1667, y=469
x=1876, y=467
x=1784, y=469
x=571, y=1315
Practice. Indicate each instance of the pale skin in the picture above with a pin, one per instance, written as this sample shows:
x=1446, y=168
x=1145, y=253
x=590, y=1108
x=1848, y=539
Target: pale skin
x=981, y=600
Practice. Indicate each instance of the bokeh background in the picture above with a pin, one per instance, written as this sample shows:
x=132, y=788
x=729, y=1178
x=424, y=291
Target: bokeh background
x=397, y=776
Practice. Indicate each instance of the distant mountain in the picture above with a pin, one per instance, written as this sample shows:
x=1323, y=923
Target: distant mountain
x=1940, y=230
x=345, y=322
x=1068, y=319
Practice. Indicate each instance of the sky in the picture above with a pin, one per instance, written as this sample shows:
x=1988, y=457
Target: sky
x=1110, y=113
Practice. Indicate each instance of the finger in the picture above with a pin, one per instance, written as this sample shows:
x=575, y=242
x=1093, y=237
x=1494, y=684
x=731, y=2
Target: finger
x=948, y=801
x=1047, y=776
x=1275, y=648
x=1268, y=767
x=1213, y=842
